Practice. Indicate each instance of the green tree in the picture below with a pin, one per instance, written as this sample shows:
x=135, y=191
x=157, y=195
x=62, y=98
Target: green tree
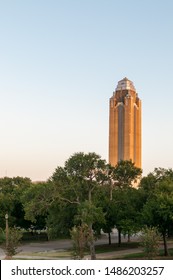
x=102, y=200
x=121, y=180
x=125, y=174
x=60, y=219
x=11, y=190
x=78, y=182
x=49, y=203
x=126, y=208
x=70, y=187
x=37, y=200
x=158, y=208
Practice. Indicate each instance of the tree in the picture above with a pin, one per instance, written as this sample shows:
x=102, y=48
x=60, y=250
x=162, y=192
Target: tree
x=60, y=219
x=70, y=187
x=102, y=200
x=126, y=207
x=11, y=190
x=78, y=181
x=37, y=200
x=158, y=208
x=158, y=212
x=149, y=183
x=125, y=174
x=121, y=180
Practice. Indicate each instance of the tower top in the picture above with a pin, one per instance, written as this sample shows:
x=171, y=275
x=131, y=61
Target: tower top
x=125, y=84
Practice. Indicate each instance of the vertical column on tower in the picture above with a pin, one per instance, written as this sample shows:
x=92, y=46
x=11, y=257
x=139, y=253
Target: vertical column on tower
x=129, y=128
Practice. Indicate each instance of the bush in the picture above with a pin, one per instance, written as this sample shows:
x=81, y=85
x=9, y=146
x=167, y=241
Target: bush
x=81, y=236
x=150, y=242
x=14, y=236
x=2, y=236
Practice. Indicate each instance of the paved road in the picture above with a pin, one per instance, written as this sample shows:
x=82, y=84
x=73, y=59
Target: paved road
x=63, y=244
x=2, y=254
x=57, y=245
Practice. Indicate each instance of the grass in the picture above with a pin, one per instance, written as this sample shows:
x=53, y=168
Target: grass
x=64, y=254
x=141, y=256
x=105, y=248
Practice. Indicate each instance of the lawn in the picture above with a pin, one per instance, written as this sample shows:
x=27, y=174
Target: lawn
x=104, y=248
x=141, y=256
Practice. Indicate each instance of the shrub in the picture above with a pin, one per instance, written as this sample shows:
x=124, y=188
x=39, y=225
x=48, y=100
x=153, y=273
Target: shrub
x=14, y=236
x=81, y=236
x=2, y=236
x=150, y=242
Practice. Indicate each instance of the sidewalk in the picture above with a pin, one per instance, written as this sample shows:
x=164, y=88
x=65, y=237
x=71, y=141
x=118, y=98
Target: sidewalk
x=2, y=254
x=116, y=254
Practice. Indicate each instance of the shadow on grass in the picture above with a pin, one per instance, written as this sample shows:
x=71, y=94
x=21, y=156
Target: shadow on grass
x=141, y=256
x=105, y=248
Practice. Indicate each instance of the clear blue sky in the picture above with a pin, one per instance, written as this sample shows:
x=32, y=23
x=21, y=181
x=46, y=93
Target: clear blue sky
x=60, y=61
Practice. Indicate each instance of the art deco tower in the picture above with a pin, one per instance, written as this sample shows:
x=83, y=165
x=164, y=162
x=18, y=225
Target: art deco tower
x=125, y=124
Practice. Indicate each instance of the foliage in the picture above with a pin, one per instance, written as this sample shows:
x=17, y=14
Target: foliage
x=119, y=200
x=14, y=237
x=150, y=242
x=60, y=219
x=123, y=211
x=125, y=173
x=34, y=235
x=88, y=213
x=2, y=236
x=89, y=191
x=158, y=208
x=150, y=183
x=81, y=236
x=79, y=178
x=11, y=190
x=36, y=200
x=78, y=182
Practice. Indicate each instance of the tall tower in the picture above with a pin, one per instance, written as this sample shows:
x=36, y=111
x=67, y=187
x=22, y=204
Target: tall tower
x=125, y=124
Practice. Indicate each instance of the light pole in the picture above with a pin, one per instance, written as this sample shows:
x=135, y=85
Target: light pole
x=6, y=219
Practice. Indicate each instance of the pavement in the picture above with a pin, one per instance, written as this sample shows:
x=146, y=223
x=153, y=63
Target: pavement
x=100, y=256
x=57, y=250
x=45, y=250
x=2, y=254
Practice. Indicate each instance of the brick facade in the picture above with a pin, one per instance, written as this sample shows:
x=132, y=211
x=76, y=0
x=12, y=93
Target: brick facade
x=125, y=124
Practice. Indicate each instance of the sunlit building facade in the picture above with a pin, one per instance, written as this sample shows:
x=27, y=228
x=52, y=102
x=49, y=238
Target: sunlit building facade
x=125, y=124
